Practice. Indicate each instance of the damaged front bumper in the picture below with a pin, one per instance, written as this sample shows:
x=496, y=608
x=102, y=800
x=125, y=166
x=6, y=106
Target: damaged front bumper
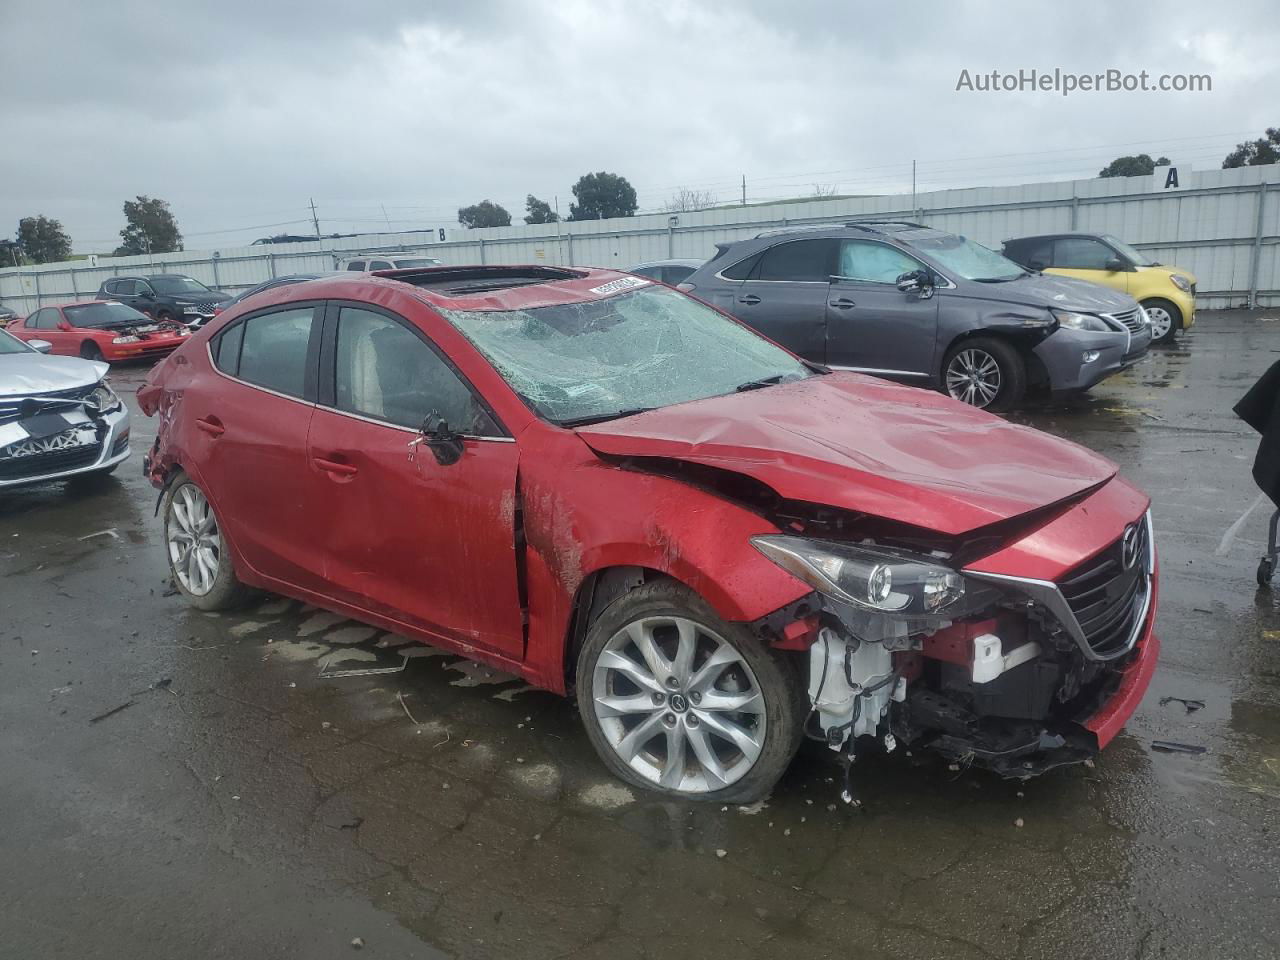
x=1018, y=690
x=79, y=440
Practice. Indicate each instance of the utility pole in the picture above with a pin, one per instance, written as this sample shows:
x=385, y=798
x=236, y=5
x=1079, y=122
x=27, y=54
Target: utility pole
x=314, y=218
x=744, y=189
x=913, y=188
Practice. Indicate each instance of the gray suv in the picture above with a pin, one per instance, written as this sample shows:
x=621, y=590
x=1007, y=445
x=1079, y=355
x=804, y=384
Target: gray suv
x=907, y=302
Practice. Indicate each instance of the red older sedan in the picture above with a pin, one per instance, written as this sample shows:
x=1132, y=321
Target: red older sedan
x=608, y=487
x=100, y=330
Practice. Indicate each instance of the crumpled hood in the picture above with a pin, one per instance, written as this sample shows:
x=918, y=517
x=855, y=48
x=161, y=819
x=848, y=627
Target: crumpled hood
x=1059, y=293
x=862, y=444
x=23, y=374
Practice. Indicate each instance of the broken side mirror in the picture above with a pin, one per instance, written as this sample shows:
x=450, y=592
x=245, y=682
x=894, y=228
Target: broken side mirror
x=446, y=444
x=917, y=281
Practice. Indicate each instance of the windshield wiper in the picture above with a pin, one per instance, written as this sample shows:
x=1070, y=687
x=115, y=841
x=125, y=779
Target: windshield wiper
x=762, y=382
x=602, y=417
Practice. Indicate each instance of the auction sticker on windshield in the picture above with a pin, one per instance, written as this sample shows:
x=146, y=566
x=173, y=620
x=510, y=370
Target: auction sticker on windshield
x=625, y=283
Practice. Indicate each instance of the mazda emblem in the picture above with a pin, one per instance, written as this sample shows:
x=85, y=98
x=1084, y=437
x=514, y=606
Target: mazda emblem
x=1129, y=546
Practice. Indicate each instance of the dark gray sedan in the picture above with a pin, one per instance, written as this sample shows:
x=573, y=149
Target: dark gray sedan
x=910, y=303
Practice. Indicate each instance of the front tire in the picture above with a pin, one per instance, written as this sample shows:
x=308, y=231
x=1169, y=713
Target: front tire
x=199, y=560
x=1166, y=320
x=678, y=701
x=91, y=351
x=985, y=372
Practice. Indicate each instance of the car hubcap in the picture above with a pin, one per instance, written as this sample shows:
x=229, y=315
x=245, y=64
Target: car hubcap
x=679, y=705
x=974, y=377
x=1161, y=322
x=194, y=550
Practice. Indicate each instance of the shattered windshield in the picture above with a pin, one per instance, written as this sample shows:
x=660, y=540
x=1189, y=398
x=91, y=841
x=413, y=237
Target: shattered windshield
x=652, y=347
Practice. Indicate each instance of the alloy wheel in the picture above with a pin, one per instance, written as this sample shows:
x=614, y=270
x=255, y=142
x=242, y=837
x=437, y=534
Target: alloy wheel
x=194, y=543
x=1161, y=322
x=973, y=376
x=679, y=705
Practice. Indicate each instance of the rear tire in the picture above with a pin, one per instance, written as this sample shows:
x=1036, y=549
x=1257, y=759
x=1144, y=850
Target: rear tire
x=199, y=560
x=710, y=712
x=985, y=372
x=1166, y=320
x=91, y=351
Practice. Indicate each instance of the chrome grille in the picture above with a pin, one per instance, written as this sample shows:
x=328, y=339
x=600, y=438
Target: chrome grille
x=10, y=407
x=1109, y=597
x=1130, y=319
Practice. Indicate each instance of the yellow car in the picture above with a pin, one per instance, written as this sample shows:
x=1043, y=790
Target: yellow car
x=1166, y=293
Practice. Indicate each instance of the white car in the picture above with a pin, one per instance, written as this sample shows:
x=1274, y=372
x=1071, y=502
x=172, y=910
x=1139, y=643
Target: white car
x=396, y=260
x=59, y=417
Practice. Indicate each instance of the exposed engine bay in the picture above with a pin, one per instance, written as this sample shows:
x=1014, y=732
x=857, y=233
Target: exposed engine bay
x=1004, y=686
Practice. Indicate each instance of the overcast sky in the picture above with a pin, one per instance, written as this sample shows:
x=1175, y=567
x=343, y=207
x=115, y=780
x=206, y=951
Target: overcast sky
x=400, y=111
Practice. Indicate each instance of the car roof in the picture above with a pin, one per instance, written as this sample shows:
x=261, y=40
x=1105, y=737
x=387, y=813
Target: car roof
x=1059, y=233
x=674, y=262
x=477, y=287
x=387, y=255
x=75, y=303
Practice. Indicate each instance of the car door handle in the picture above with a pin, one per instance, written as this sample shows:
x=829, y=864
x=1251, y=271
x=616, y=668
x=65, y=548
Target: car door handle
x=750, y=298
x=843, y=303
x=334, y=467
x=211, y=426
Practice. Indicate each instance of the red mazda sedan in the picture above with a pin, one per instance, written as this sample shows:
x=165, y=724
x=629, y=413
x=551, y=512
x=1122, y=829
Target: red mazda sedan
x=607, y=487
x=100, y=330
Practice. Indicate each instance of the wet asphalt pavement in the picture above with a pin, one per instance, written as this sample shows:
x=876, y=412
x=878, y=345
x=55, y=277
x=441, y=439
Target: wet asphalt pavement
x=242, y=804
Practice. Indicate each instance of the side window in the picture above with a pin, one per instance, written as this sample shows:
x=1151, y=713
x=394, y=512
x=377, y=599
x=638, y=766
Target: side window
x=1081, y=253
x=37, y=320
x=385, y=371
x=803, y=260
x=109, y=288
x=742, y=269
x=274, y=350
x=127, y=288
x=226, y=350
x=1036, y=254
x=379, y=265
x=356, y=265
x=873, y=262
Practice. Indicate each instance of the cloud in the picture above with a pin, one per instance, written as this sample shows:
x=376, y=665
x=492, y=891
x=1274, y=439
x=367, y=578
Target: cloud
x=239, y=113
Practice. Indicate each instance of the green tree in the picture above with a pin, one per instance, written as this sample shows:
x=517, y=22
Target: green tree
x=43, y=240
x=602, y=195
x=539, y=211
x=150, y=228
x=1253, y=153
x=486, y=213
x=1140, y=165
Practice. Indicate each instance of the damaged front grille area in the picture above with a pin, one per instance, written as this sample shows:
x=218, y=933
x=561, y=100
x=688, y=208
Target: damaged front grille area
x=15, y=408
x=1102, y=604
x=1107, y=593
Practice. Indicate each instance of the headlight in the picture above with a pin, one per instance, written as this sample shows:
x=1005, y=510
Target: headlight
x=1142, y=314
x=1181, y=282
x=125, y=339
x=1082, y=321
x=104, y=398
x=873, y=578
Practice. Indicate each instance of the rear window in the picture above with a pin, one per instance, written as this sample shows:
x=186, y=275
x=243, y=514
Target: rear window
x=273, y=351
x=806, y=261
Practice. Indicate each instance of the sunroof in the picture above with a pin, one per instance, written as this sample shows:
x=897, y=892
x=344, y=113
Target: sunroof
x=464, y=281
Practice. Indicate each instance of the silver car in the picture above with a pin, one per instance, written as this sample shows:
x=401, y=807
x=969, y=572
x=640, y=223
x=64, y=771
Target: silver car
x=59, y=417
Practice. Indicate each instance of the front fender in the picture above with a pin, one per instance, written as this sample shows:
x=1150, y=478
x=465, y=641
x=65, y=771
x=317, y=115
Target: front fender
x=582, y=515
